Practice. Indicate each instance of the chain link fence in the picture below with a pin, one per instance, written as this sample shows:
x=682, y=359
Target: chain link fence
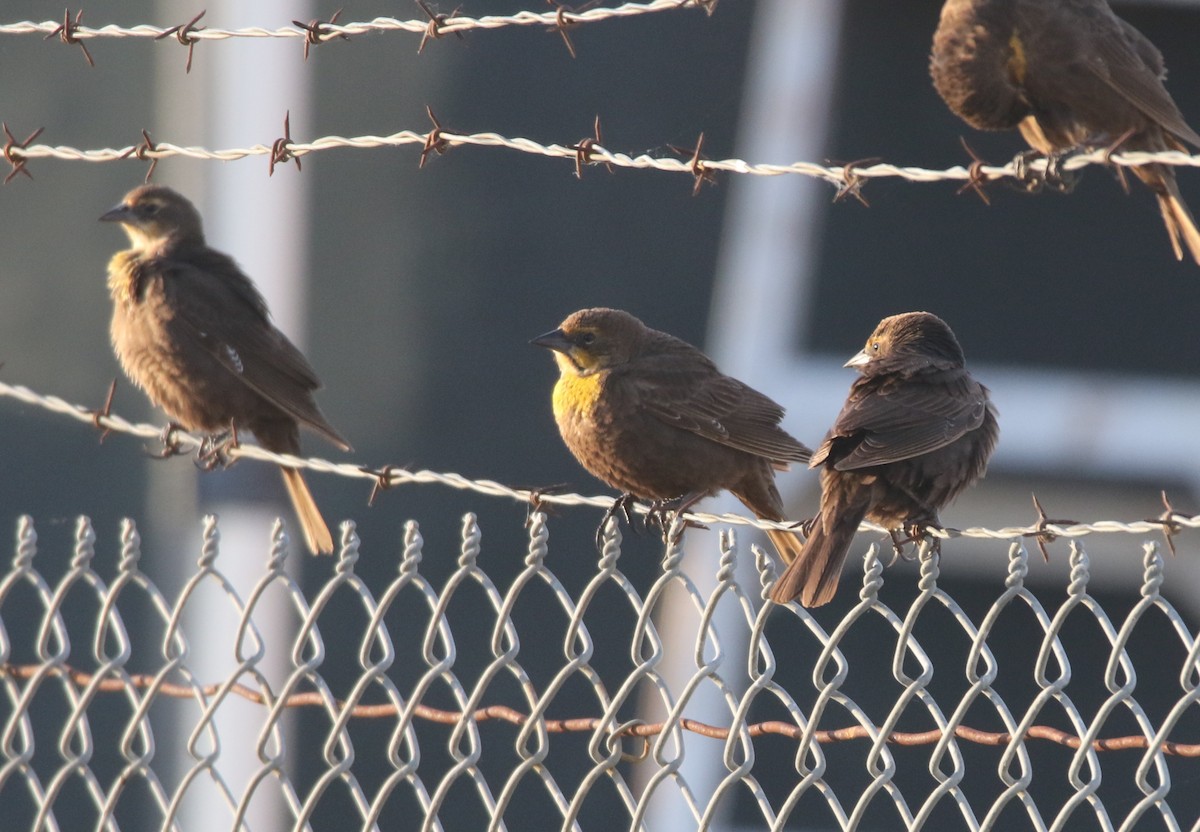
x=410, y=705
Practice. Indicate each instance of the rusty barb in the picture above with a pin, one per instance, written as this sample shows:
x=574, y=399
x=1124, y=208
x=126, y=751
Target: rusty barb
x=563, y=20
x=585, y=148
x=976, y=180
x=696, y=158
x=318, y=31
x=1041, y=532
x=281, y=148
x=1169, y=520
x=66, y=33
x=127, y=683
x=434, y=142
x=436, y=22
x=12, y=152
x=142, y=151
x=852, y=182
x=183, y=33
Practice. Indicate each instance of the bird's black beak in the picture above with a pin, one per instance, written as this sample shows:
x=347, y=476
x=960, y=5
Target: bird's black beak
x=554, y=340
x=118, y=213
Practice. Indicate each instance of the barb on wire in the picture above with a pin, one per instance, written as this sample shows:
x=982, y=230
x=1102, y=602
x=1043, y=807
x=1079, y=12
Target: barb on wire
x=1168, y=521
x=186, y=33
x=318, y=31
x=393, y=476
x=437, y=25
x=67, y=33
x=584, y=147
x=697, y=164
x=588, y=724
x=142, y=152
x=15, y=152
x=434, y=142
x=281, y=148
x=564, y=19
x=852, y=182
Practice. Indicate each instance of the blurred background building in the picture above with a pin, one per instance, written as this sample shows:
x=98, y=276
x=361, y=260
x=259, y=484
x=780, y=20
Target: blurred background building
x=415, y=292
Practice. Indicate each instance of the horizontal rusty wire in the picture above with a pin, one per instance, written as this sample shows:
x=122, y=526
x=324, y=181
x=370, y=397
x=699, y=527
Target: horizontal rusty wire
x=131, y=683
x=587, y=151
x=385, y=477
x=446, y=24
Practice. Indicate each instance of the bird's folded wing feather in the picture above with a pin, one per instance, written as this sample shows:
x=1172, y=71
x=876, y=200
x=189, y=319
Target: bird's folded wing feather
x=694, y=396
x=1124, y=66
x=223, y=314
x=902, y=421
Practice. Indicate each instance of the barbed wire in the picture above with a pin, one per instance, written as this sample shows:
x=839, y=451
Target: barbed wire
x=848, y=178
x=637, y=729
x=386, y=477
x=71, y=29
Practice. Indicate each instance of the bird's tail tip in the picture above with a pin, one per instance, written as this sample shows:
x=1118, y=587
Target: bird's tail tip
x=316, y=532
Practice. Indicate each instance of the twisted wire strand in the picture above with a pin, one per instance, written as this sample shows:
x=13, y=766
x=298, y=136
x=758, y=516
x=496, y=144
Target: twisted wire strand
x=389, y=476
x=590, y=152
x=445, y=24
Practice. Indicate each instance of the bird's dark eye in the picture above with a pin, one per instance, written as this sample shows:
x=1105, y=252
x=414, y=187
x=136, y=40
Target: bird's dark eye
x=150, y=209
x=874, y=346
x=587, y=339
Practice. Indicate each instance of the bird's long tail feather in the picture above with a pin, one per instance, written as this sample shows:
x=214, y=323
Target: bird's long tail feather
x=813, y=575
x=316, y=533
x=1181, y=225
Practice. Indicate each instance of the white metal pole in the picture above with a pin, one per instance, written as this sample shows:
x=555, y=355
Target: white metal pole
x=236, y=95
x=763, y=278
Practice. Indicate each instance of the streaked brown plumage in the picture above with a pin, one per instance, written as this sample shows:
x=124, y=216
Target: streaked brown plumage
x=915, y=431
x=651, y=415
x=191, y=330
x=1067, y=74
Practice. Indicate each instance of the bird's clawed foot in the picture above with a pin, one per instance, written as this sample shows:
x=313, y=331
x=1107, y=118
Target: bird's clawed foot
x=215, y=448
x=1054, y=177
x=170, y=441
x=664, y=514
x=620, y=506
x=916, y=532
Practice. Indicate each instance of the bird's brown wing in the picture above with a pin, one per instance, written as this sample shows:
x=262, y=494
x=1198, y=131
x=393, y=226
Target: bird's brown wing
x=688, y=392
x=218, y=310
x=1123, y=61
x=885, y=423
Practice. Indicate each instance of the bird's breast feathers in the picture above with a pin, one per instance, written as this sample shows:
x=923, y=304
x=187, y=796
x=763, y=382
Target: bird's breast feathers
x=575, y=395
x=124, y=276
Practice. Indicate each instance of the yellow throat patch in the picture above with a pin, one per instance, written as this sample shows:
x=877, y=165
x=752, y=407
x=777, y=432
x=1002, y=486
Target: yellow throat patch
x=576, y=395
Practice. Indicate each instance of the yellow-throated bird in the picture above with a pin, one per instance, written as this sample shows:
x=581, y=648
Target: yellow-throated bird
x=915, y=431
x=652, y=416
x=1068, y=74
x=193, y=332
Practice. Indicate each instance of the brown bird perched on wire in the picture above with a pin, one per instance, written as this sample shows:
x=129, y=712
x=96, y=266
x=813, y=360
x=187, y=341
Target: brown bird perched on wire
x=914, y=432
x=1068, y=74
x=191, y=330
x=652, y=416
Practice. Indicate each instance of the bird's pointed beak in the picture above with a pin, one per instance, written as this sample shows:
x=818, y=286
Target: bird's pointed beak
x=118, y=213
x=858, y=360
x=553, y=340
